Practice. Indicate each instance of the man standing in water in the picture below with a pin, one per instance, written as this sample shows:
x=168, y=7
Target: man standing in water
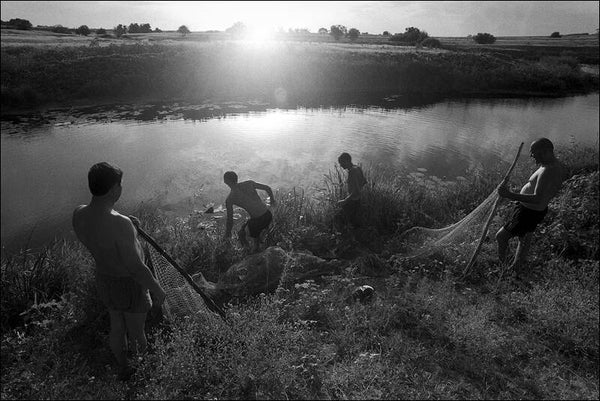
x=122, y=278
x=531, y=204
x=244, y=195
x=356, y=180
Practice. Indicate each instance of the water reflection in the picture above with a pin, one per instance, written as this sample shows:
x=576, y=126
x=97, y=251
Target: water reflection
x=181, y=161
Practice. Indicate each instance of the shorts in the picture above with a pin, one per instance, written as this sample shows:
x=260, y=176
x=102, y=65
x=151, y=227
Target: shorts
x=351, y=210
x=123, y=294
x=257, y=224
x=523, y=220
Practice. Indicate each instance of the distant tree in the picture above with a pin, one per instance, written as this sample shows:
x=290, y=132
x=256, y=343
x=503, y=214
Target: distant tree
x=100, y=31
x=83, y=30
x=353, y=34
x=21, y=24
x=133, y=28
x=120, y=30
x=323, y=31
x=183, y=30
x=484, y=38
x=157, y=30
x=555, y=35
x=237, y=29
x=145, y=28
x=337, y=31
x=386, y=33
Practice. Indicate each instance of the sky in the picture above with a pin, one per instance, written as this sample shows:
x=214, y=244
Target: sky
x=438, y=18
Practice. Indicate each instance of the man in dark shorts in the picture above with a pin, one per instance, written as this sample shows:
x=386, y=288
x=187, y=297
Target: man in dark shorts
x=531, y=203
x=244, y=195
x=356, y=180
x=122, y=278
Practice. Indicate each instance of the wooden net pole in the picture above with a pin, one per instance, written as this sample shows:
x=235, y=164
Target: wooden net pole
x=493, y=211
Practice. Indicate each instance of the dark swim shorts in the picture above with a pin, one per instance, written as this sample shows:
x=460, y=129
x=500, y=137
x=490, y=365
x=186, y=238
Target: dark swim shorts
x=257, y=224
x=123, y=294
x=522, y=220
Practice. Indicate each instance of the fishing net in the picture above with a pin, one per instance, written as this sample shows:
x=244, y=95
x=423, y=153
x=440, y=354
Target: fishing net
x=460, y=243
x=182, y=298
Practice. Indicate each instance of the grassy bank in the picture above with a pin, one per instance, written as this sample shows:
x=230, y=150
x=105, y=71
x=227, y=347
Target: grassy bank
x=427, y=334
x=282, y=73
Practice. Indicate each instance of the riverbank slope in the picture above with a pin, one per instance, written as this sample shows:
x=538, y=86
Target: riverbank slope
x=427, y=333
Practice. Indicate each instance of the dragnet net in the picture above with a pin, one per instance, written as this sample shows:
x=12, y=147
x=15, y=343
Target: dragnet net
x=459, y=243
x=182, y=299
x=455, y=243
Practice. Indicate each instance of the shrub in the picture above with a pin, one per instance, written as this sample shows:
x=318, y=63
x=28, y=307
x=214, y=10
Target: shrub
x=484, y=38
x=555, y=35
x=411, y=36
x=83, y=30
x=21, y=24
x=431, y=42
x=101, y=31
x=61, y=29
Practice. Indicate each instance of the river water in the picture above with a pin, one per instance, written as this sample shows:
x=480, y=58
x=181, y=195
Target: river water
x=179, y=163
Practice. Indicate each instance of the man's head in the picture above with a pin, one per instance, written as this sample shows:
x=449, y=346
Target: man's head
x=230, y=178
x=542, y=150
x=345, y=160
x=105, y=179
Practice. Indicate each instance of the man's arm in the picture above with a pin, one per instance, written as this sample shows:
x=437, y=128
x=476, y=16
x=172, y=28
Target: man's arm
x=267, y=189
x=541, y=194
x=126, y=242
x=229, y=223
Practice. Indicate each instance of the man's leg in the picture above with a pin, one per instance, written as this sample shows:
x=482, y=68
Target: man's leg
x=242, y=235
x=502, y=237
x=117, y=337
x=522, y=251
x=135, y=329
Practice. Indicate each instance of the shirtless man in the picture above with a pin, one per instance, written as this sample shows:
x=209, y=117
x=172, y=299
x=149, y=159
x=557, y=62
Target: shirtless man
x=531, y=204
x=122, y=278
x=244, y=195
x=356, y=180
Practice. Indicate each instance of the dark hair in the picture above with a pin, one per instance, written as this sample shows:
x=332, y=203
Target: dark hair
x=102, y=177
x=543, y=143
x=345, y=156
x=230, y=176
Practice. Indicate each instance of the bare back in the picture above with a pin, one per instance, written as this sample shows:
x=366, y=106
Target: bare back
x=101, y=232
x=244, y=195
x=546, y=182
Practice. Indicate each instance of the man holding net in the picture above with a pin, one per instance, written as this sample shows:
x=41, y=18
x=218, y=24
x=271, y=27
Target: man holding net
x=244, y=195
x=350, y=205
x=531, y=203
x=122, y=278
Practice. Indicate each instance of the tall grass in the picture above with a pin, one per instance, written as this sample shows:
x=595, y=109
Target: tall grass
x=421, y=336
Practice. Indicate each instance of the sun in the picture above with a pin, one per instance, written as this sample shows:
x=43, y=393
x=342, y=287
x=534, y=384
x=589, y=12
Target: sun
x=259, y=34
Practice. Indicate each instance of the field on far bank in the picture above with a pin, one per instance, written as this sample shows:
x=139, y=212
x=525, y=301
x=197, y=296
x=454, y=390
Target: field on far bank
x=44, y=69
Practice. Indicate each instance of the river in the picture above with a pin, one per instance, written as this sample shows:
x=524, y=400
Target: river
x=179, y=162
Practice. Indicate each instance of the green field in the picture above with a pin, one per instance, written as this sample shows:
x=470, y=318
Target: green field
x=42, y=69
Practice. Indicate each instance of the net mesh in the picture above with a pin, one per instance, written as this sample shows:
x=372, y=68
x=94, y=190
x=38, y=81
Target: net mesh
x=460, y=243
x=182, y=299
x=455, y=243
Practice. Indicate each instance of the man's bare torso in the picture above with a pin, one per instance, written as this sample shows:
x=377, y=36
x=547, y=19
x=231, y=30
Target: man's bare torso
x=554, y=173
x=98, y=232
x=244, y=195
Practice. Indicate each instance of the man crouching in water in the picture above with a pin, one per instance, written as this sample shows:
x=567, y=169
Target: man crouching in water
x=244, y=195
x=531, y=204
x=122, y=278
